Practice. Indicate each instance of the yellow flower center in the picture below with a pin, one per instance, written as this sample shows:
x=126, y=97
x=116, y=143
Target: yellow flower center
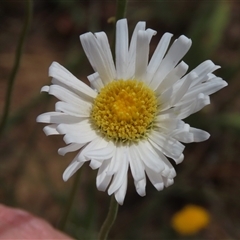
x=124, y=110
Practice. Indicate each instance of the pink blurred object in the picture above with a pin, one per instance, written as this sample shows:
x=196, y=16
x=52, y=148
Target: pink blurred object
x=18, y=224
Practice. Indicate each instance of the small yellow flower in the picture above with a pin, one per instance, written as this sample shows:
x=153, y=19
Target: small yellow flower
x=190, y=220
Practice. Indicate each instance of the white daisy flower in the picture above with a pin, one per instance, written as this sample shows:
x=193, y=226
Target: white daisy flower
x=132, y=115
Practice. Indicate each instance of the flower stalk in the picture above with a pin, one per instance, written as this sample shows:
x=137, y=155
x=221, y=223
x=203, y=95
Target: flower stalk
x=110, y=219
x=15, y=68
x=121, y=9
x=63, y=222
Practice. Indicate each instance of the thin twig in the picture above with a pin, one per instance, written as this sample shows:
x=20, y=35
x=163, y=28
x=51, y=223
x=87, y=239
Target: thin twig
x=110, y=219
x=15, y=68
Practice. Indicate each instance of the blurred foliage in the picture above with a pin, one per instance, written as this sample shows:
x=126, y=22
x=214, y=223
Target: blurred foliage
x=30, y=172
x=207, y=30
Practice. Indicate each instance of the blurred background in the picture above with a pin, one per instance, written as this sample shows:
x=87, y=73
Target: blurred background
x=30, y=168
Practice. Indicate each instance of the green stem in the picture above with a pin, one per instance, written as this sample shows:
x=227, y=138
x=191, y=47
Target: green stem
x=110, y=219
x=13, y=74
x=70, y=201
x=120, y=13
x=121, y=9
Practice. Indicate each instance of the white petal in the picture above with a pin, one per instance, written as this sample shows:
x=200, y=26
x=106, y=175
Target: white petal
x=183, y=88
x=70, y=148
x=132, y=50
x=67, y=96
x=72, y=109
x=121, y=48
x=65, y=77
x=72, y=168
x=103, y=179
x=165, y=99
x=178, y=49
x=206, y=88
x=166, y=124
x=57, y=117
x=203, y=70
x=149, y=157
x=95, y=164
x=169, y=170
x=184, y=136
x=116, y=159
x=119, y=177
x=141, y=54
x=150, y=33
x=75, y=129
x=180, y=159
x=203, y=100
x=199, y=135
x=155, y=178
x=81, y=138
x=168, y=181
x=101, y=154
x=45, y=89
x=141, y=186
x=158, y=56
x=97, y=57
x=185, y=109
x=51, y=130
x=96, y=144
x=172, y=77
x=136, y=165
x=95, y=81
x=107, y=54
x=167, y=145
x=121, y=192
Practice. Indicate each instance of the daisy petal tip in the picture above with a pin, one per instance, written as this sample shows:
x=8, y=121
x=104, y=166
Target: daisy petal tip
x=168, y=182
x=50, y=130
x=211, y=64
x=60, y=129
x=172, y=174
x=53, y=68
x=206, y=136
x=61, y=152
x=54, y=63
x=45, y=89
x=40, y=118
x=102, y=186
x=224, y=84
x=167, y=34
x=185, y=40
x=101, y=189
x=67, y=139
x=95, y=164
x=159, y=186
x=180, y=159
x=141, y=192
x=65, y=176
x=85, y=36
x=122, y=21
x=199, y=135
x=119, y=199
x=37, y=119
x=110, y=191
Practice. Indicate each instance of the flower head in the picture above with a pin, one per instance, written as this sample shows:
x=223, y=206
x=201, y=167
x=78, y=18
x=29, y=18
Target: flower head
x=131, y=116
x=190, y=220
